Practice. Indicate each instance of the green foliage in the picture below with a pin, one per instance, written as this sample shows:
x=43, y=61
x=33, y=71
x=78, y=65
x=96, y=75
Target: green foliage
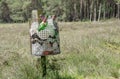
x=18, y=9
x=66, y=10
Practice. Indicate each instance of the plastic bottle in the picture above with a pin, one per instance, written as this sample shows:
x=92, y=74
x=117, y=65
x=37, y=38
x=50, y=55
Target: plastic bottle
x=42, y=25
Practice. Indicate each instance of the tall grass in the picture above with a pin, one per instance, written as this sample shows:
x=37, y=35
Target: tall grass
x=89, y=50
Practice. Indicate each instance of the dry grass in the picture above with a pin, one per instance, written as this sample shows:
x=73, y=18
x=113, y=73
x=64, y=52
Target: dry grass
x=89, y=50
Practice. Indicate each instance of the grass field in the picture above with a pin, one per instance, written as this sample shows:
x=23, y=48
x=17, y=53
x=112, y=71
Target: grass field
x=89, y=50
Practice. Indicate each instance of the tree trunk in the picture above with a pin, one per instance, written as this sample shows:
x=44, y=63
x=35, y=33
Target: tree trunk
x=5, y=12
x=104, y=15
x=36, y=4
x=118, y=10
x=99, y=15
x=91, y=11
x=81, y=10
x=75, y=12
x=88, y=9
x=94, y=12
x=85, y=10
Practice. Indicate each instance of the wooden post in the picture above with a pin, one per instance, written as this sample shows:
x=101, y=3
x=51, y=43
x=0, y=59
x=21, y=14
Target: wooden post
x=41, y=62
x=43, y=65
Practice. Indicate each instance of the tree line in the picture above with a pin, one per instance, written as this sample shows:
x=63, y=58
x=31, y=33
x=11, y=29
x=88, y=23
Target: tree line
x=65, y=10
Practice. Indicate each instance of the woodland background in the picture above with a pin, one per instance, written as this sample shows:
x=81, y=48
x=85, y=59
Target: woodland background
x=90, y=48
x=66, y=10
